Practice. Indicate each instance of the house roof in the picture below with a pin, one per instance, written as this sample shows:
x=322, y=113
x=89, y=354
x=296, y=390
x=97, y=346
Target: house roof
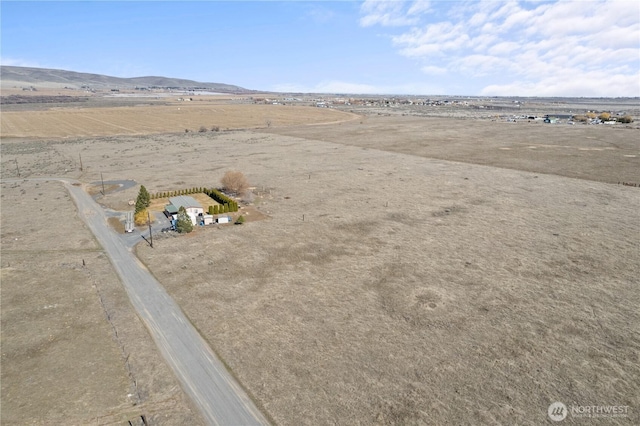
x=184, y=201
x=171, y=209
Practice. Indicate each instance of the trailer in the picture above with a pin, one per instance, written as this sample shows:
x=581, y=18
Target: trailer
x=129, y=224
x=224, y=219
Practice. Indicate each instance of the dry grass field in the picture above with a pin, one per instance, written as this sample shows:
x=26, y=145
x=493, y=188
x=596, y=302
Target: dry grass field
x=145, y=119
x=73, y=349
x=387, y=283
x=602, y=153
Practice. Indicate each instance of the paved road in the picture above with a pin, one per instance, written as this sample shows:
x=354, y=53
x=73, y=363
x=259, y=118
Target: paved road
x=205, y=379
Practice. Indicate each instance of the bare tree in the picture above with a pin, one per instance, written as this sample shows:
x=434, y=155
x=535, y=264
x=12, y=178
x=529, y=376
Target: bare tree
x=234, y=182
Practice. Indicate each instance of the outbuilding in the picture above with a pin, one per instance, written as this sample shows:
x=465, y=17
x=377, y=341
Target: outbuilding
x=205, y=219
x=192, y=207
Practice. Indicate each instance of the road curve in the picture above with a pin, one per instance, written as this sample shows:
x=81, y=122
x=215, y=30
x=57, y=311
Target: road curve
x=204, y=378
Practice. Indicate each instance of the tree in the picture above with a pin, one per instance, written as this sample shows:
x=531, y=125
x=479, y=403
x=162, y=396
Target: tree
x=234, y=182
x=141, y=217
x=604, y=116
x=144, y=199
x=211, y=211
x=183, y=224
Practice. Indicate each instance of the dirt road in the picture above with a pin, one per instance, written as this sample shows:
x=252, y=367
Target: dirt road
x=204, y=378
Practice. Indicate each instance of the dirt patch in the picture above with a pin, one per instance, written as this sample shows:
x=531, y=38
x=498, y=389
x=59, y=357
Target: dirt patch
x=116, y=224
x=97, y=189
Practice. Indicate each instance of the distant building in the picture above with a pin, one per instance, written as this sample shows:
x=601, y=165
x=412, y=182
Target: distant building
x=559, y=116
x=190, y=204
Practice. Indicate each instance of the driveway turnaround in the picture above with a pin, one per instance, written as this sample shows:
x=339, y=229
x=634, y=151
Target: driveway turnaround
x=204, y=378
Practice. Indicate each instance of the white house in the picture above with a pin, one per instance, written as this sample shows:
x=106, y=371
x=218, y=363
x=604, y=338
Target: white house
x=190, y=204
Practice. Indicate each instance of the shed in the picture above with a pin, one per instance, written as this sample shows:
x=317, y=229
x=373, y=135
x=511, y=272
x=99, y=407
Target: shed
x=206, y=219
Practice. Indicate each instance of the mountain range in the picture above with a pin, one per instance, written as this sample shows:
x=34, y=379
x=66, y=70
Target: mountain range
x=51, y=78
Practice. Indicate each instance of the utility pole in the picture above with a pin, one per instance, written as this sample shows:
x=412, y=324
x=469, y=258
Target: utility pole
x=80, y=155
x=102, y=179
x=17, y=167
x=150, y=234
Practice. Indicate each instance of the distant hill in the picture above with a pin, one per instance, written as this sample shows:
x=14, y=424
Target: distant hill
x=49, y=78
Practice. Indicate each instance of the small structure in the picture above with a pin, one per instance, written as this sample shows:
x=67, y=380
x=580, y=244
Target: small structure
x=129, y=225
x=224, y=219
x=190, y=204
x=205, y=219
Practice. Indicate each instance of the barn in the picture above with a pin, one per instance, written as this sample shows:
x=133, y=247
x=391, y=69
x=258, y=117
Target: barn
x=190, y=204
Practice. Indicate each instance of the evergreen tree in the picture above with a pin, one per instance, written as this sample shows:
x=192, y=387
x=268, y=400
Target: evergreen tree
x=144, y=199
x=183, y=224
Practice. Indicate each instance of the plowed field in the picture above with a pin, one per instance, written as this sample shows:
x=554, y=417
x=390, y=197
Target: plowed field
x=65, y=122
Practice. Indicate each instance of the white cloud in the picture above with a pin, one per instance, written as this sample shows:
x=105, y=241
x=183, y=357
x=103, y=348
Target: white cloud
x=419, y=7
x=597, y=84
x=392, y=13
x=433, y=70
x=582, y=48
x=320, y=14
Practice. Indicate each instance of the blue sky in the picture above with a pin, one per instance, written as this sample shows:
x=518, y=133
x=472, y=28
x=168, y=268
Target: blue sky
x=504, y=48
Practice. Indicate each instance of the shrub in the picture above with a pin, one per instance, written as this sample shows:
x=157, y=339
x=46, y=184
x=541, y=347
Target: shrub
x=240, y=220
x=141, y=217
x=234, y=182
x=202, y=129
x=625, y=119
x=215, y=128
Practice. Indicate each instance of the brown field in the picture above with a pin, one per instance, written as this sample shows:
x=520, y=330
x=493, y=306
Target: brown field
x=181, y=116
x=158, y=204
x=408, y=270
x=73, y=349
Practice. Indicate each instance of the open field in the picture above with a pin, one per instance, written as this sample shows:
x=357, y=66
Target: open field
x=66, y=122
x=417, y=290
x=599, y=153
x=73, y=350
